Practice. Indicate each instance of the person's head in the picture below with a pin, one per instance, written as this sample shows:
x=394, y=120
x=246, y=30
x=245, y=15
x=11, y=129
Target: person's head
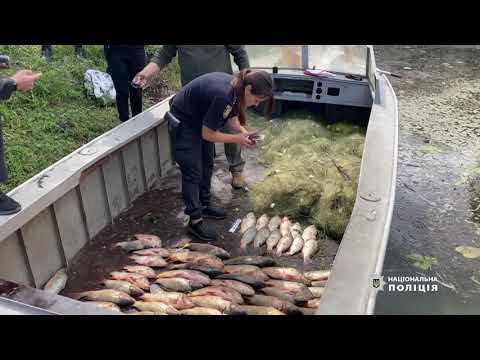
x=253, y=88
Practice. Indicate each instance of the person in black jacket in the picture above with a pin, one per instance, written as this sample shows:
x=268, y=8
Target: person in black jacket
x=23, y=80
x=124, y=62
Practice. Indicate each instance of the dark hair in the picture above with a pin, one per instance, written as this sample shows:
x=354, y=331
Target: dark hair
x=262, y=85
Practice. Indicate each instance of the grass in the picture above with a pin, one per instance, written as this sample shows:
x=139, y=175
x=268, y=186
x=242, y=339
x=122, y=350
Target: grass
x=55, y=118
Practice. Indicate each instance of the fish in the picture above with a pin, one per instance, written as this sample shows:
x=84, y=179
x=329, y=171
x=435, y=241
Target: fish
x=134, y=279
x=144, y=313
x=218, y=303
x=314, y=303
x=247, y=279
x=178, y=300
x=317, y=275
x=285, y=273
x=262, y=221
x=57, y=282
x=310, y=233
x=319, y=283
x=284, y=295
x=149, y=241
x=153, y=251
x=297, y=245
x=308, y=311
x=284, y=244
x=246, y=270
x=130, y=245
x=299, y=290
x=242, y=288
x=197, y=258
x=261, y=236
x=105, y=295
x=106, y=305
x=285, y=226
x=274, y=223
x=248, y=237
x=200, y=311
x=209, y=249
x=175, y=284
x=222, y=291
x=282, y=305
x=149, y=260
x=251, y=260
x=142, y=270
x=317, y=291
x=296, y=229
x=123, y=286
x=273, y=239
x=247, y=222
x=260, y=310
x=309, y=249
x=195, y=277
x=156, y=307
x=204, y=269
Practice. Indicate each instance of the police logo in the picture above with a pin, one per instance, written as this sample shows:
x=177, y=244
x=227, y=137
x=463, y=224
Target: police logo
x=376, y=283
x=227, y=111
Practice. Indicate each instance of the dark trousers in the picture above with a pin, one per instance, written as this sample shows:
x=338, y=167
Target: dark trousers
x=3, y=169
x=123, y=64
x=44, y=47
x=195, y=158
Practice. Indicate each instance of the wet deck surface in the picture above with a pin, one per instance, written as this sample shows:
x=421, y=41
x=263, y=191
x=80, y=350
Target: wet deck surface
x=160, y=212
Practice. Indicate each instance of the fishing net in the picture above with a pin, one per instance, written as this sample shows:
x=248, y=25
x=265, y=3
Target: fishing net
x=312, y=171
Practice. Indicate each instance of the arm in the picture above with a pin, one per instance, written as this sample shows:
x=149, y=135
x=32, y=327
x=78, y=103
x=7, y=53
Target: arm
x=162, y=58
x=234, y=124
x=7, y=87
x=219, y=137
x=23, y=80
x=240, y=55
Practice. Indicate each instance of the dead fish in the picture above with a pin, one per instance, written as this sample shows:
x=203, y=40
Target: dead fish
x=130, y=245
x=106, y=305
x=285, y=227
x=155, y=289
x=106, y=295
x=282, y=305
x=153, y=251
x=181, y=266
x=134, y=279
x=310, y=233
x=247, y=279
x=123, y=286
x=251, y=260
x=149, y=260
x=57, y=282
x=149, y=241
x=175, y=284
x=242, y=288
x=204, y=269
x=195, y=277
x=273, y=239
x=261, y=236
x=283, y=294
x=247, y=222
x=218, y=303
x=262, y=221
x=248, y=237
x=300, y=290
x=297, y=245
x=197, y=258
x=200, y=311
x=209, y=249
x=284, y=244
x=222, y=291
x=260, y=310
x=178, y=300
x=274, y=223
x=308, y=311
x=156, y=307
x=317, y=291
x=144, y=313
x=314, y=303
x=309, y=249
x=296, y=229
x=317, y=275
x=251, y=270
x=142, y=270
x=319, y=283
x=285, y=273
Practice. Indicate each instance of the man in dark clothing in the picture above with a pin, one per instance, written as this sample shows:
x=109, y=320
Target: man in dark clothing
x=47, y=51
x=197, y=60
x=23, y=81
x=124, y=62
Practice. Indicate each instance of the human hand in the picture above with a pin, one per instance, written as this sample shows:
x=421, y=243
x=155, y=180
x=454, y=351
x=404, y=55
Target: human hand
x=245, y=141
x=25, y=79
x=140, y=80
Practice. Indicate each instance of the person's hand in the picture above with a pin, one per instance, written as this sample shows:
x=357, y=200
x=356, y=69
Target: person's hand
x=244, y=140
x=25, y=79
x=140, y=80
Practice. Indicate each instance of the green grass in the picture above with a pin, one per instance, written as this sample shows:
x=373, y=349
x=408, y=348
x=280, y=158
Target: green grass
x=55, y=118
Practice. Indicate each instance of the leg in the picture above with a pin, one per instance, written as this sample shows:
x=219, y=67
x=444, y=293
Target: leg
x=117, y=68
x=79, y=52
x=46, y=51
x=135, y=65
x=236, y=162
x=208, y=149
x=8, y=206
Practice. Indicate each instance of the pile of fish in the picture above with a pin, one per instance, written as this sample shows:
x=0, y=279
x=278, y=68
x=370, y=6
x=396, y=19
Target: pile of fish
x=202, y=279
x=279, y=236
